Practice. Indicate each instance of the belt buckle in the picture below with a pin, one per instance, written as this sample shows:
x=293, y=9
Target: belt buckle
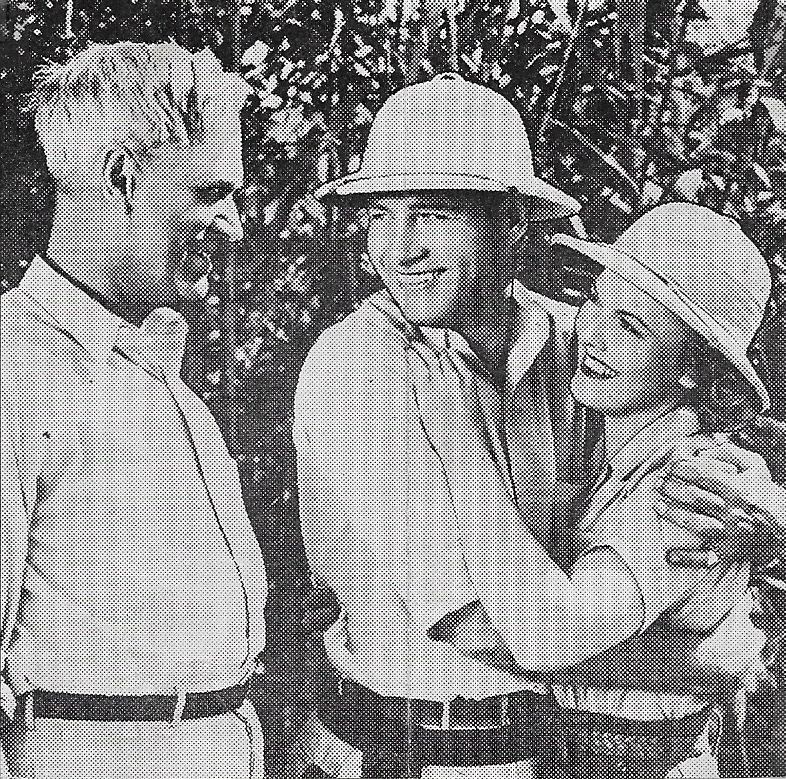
x=445, y=719
x=450, y=719
x=28, y=710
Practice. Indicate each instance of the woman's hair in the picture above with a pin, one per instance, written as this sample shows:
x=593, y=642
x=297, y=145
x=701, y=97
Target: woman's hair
x=723, y=399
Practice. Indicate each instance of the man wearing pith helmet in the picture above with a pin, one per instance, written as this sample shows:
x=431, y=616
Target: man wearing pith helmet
x=448, y=185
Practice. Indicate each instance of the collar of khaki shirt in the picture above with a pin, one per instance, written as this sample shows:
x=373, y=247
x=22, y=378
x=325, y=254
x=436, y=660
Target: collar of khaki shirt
x=93, y=326
x=655, y=442
x=530, y=331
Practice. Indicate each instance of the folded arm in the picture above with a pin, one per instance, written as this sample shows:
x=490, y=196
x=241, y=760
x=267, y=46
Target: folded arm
x=683, y=662
x=546, y=618
x=372, y=509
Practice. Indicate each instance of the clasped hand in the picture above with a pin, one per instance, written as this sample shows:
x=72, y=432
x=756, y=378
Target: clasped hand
x=726, y=495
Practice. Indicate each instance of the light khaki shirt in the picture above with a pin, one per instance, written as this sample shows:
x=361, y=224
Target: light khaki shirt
x=620, y=514
x=377, y=516
x=129, y=565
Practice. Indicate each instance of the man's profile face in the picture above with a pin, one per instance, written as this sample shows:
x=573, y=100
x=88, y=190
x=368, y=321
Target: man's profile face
x=182, y=214
x=437, y=254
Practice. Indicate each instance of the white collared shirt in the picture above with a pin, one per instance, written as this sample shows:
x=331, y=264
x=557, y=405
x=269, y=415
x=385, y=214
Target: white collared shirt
x=129, y=563
x=377, y=517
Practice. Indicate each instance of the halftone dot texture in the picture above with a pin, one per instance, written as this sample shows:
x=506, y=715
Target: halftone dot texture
x=449, y=134
x=129, y=96
x=700, y=266
x=141, y=573
x=157, y=764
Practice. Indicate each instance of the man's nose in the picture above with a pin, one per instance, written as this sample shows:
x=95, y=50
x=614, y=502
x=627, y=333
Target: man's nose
x=227, y=220
x=411, y=246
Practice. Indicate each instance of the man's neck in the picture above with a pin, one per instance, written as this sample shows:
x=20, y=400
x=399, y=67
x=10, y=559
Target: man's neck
x=84, y=246
x=133, y=314
x=488, y=333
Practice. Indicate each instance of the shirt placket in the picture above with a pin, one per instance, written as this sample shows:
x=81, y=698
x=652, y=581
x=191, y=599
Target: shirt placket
x=489, y=398
x=198, y=438
x=199, y=442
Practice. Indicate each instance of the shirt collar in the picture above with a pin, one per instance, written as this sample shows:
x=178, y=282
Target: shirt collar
x=530, y=332
x=655, y=440
x=94, y=327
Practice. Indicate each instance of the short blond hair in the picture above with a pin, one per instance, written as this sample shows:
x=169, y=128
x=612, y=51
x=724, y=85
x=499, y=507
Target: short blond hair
x=132, y=96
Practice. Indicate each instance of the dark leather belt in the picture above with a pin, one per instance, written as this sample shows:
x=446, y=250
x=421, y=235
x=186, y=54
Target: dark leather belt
x=588, y=745
x=465, y=732
x=136, y=708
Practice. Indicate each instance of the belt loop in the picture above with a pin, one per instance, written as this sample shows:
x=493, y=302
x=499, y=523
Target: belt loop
x=28, y=710
x=410, y=756
x=445, y=724
x=505, y=710
x=180, y=705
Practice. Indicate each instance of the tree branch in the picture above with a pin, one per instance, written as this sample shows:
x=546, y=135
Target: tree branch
x=598, y=152
x=569, y=49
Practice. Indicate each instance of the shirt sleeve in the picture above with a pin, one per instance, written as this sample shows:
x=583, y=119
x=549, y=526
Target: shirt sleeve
x=374, y=509
x=13, y=550
x=632, y=528
x=376, y=516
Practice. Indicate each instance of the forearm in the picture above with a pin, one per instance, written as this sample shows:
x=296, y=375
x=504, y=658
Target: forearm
x=383, y=650
x=680, y=661
x=547, y=619
x=659, y=661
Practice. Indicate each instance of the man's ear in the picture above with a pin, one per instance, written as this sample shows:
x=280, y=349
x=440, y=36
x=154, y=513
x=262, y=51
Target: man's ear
x=119, y=177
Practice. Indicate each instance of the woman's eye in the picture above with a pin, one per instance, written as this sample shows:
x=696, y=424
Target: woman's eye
x=375, y=216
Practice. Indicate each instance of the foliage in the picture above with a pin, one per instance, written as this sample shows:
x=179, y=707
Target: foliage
x=628, y=103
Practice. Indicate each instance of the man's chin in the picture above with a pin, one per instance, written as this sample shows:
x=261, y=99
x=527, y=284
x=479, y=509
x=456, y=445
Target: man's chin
x=422, y=316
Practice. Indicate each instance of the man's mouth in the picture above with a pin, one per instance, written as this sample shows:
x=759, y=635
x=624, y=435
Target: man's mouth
x=595, y=368
x=422, y=278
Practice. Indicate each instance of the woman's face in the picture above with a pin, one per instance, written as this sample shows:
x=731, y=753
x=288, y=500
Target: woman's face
x=632, y=350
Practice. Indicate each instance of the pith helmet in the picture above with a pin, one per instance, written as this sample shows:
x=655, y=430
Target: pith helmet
x=700, y=266
x=449, y=134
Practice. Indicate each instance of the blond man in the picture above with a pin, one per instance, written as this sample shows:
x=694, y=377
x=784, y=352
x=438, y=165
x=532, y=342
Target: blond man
x=132, y=587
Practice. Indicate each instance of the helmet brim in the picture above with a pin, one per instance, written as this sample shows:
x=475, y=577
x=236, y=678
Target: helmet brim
x=547, y=202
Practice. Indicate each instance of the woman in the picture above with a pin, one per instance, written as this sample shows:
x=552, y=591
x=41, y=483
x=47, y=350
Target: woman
x=662, y=355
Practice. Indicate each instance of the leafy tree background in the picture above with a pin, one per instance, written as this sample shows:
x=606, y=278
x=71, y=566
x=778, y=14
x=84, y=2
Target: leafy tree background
x=629, y=104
